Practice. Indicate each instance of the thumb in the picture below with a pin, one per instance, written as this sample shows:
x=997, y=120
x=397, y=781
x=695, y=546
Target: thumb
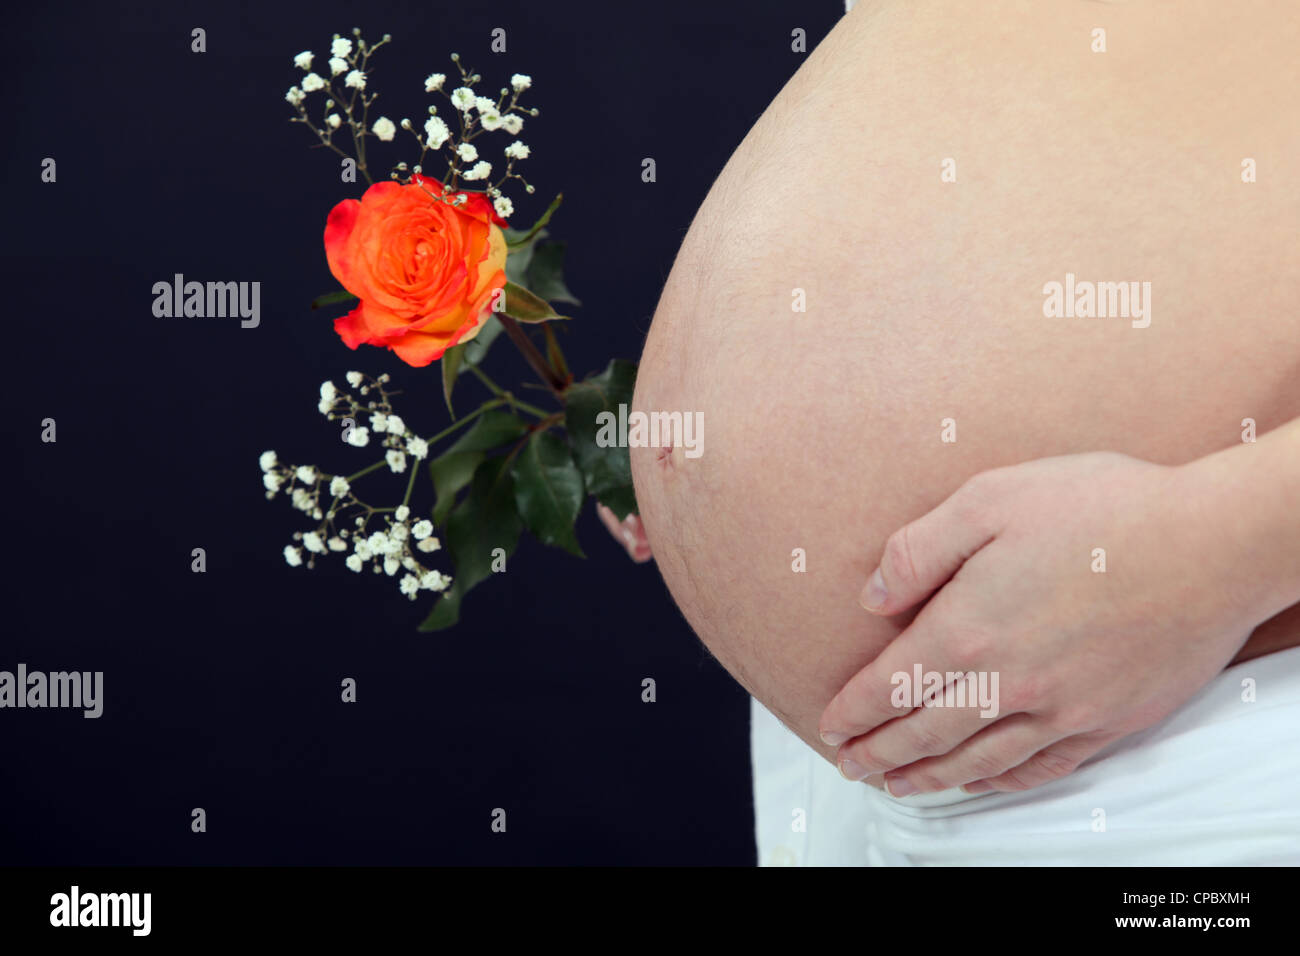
x=920, y=557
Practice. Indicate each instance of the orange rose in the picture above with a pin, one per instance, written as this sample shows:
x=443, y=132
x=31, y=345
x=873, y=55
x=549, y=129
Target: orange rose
x=424, y=270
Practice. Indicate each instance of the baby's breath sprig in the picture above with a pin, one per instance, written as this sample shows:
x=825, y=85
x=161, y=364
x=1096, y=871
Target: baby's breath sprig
x=351, y=61
x=475, y=115
x=391, y=547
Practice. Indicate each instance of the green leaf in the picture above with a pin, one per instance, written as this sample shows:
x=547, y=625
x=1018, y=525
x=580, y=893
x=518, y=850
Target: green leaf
x=486, y=520
x=607, y=470
x=451, y=472
x=537, y=226
x=451, y=362
x=520, y=258
x=549, y=491
x=477, y=347
x=492, y=430
x=527, y=307
x=545, y=273
x=330, y=298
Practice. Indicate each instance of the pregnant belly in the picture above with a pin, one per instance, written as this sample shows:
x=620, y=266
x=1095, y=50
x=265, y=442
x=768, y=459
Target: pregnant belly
x=862, y=311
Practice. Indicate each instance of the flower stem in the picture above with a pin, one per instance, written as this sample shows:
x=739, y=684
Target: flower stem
x=505, y=396
x=494, y=403
x=365, y=471
x=410, y=482
x=548, y=375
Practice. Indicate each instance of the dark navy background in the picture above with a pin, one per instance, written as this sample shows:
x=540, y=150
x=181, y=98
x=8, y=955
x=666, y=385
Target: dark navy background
x=222, y=690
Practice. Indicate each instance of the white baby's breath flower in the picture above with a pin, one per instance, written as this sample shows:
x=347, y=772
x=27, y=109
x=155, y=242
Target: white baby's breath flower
x=490, y=119
x=328, y=391
x=378, y=542
x=481, y=170
x=334, y=120
x=429, y=545
x=433, y=82
x=356, y=79
x=505, y=209
x=396, y=426
x=311, y=83
x=462, y=98
x=313, y=542
x=517, y=150
x=301, y=500
x=341, y=46
x=409, y=585
x=512, y=123
x=337, y=544
x=379, y=422
x=422, y=529
x=338, y=65
x=467, y=152
x=354, y=378
x=391, y=564
x=384, y=128
x=303, y=60
x=292, y=555
x=435, y=581
x=339, y=486
x=294, y=96
x=484, y=105
x=402, y=513
x=306, y=474
x=362, y=549
x=398, y=532
x=359, y=437
x=418, y=447
x=354, y=562
x=267, y=460
x=396, y=461
x=272, y=481
x=436, y=132
x=520, y=82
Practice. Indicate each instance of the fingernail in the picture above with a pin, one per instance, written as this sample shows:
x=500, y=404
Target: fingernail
x=899, y=787
x=874, y=594
x=851, y=770
x=979, y=786
x=832, y=739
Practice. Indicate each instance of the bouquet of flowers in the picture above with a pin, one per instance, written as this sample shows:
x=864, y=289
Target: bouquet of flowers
x=434, y=272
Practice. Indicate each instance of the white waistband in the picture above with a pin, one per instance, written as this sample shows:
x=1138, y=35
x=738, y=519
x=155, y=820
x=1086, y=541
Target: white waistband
x=1216, y=782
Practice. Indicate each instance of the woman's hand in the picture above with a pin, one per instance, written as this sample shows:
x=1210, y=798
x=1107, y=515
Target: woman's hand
x=1091, y=594
x=629, y=532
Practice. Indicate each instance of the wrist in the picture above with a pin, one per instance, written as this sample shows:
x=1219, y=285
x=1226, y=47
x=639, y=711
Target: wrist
x=1247, y=499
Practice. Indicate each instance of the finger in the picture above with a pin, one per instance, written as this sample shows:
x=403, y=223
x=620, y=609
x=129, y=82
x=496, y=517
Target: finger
x=635, y=537
x=887, y=688
x=607, y=518
x=629, y=532
x=919, y=557
x=1058, y=760
x=925, y=732
x=994, y=749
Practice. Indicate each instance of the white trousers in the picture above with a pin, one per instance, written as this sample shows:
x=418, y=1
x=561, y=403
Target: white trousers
x=1215, y=783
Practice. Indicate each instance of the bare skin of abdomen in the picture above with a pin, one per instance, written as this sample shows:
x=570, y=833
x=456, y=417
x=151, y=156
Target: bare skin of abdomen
x=924, y=298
